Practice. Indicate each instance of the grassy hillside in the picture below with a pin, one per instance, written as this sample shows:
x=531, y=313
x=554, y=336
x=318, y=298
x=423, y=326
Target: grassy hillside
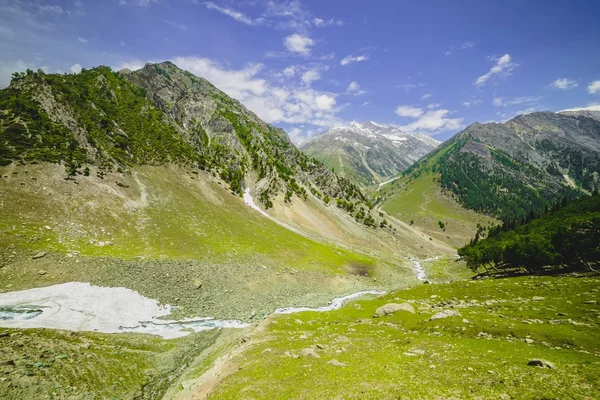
x=158, y=230
x=416, y=198
x=65, y=365
x=482, y=352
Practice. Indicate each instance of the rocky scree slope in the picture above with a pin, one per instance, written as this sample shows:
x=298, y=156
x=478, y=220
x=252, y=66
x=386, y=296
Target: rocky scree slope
x=368, y=153
x=512, y=169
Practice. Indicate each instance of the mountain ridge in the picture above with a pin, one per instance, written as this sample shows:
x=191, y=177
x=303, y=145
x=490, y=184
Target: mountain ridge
x=368, y=152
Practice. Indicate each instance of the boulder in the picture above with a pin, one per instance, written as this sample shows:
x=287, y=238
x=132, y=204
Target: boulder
x=40, y=254
x=392, y=308
x=336, y=363
x=309, y=352
x=198, y=284
x=444, y=314
x=538, y=362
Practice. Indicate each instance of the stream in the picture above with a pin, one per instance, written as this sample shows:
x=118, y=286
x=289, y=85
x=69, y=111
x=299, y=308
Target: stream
x=78, y=306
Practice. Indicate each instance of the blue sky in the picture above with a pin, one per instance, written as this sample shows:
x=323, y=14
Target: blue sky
x=429, y=66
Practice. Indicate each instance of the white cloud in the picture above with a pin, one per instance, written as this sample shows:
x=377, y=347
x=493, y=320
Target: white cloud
x=82, y=40
x=143, y=3
x=564, y=84
x=463, y=46
x=434, y=121
x=310, y=76
x=589, y=107
x=354, y=89
x=366, y=103
x=353, y=86
x=473, y=102
x=409, y=111
x=289, y=103
x=433, y=105
x=290, y=71
x=7, y=69
x=133, y=65
x=175, y=25
x=76, y=68
x=52, y=9
x=504, y=67
x=426, y=96
x=325, y=102
x=321, y=23
x=352, y=59
x=236, y=15
x=500, y=102
x=298, y=44
x=594, y=87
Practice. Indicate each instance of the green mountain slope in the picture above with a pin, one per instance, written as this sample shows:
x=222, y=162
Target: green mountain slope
x=505, y=170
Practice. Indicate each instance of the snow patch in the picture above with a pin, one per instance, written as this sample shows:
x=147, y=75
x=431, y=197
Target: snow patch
x=78, y=306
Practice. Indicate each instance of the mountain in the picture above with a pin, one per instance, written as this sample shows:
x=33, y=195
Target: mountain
x=502, y=170
x=368, y=153
x=146, y=179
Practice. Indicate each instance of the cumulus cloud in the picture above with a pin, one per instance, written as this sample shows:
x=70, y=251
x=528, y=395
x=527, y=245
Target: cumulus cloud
x=297, y=43
x=589, y=107
x=434, y=121
x=236, y=15
x=594, y=87
x=287, y=103
x=504, y=67
x=76, y=68
x=133, y=65
x=310, y=76
x=409, y=111
x=289, y=71
x=352, y=59
x=426, y=96
x=564, y=84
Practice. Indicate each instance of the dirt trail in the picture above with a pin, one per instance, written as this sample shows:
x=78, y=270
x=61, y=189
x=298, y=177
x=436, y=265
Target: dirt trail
x=223, y=366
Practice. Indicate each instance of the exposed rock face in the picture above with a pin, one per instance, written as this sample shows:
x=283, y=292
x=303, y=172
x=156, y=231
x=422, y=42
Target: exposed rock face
x=231, y=136
x=368, y=152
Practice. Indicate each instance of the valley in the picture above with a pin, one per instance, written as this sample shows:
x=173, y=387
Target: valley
x=158, y=240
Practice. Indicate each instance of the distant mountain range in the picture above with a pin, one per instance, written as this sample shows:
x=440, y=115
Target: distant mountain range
x=368, y=153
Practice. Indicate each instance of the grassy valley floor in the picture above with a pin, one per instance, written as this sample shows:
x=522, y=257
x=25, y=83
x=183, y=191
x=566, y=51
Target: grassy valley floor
x=482, y=351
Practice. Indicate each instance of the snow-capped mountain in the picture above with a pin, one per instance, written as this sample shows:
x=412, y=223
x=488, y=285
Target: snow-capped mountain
x=367, y=152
